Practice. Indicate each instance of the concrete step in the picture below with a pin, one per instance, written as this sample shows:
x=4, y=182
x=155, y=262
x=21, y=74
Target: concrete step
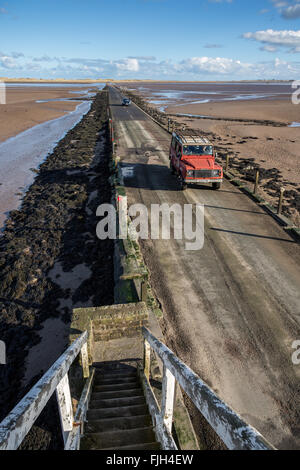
x=118, y=412
x=146, y=446
x=117, y=402
x=114, y=375
x=114, y=381
x=117, y=438
x=116, y=387
x=131, y=392
x=114, y=424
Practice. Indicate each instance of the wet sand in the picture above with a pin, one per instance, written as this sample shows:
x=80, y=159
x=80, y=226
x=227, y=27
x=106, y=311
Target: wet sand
x=30, y=130
x=23, y=112
x=280, y=110
x=270, y=147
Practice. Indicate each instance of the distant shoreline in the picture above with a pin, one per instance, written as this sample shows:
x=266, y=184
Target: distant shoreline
x=89, y=81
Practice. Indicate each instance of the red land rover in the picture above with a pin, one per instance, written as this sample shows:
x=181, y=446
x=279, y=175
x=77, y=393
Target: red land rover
x=192, y=160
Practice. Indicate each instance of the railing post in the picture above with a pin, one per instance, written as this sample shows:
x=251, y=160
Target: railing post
x=143, y=291
x=227, y=162
x=85, y=361
x=64, y=400
x=110, y=128
x=256, y=182
x=168, y=394
x=280, y=204
x=147, y=359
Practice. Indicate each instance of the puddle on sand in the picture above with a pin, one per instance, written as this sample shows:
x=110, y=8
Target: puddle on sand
x=28, y=150
x=165, y=98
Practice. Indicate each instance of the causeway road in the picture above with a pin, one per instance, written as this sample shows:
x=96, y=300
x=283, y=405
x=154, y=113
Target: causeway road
x=231, y=309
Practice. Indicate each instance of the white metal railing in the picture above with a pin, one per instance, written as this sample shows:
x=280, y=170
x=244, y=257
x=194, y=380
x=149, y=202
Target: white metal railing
x=20, y=420
x=233, y=431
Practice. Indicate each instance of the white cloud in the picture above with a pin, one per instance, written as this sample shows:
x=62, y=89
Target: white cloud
x=192, y=68
x=210, y=65
x=292, y=11
x=289, y=39
x=213, y=46
x=7, y=62
x=129, y=65
x=289, y=10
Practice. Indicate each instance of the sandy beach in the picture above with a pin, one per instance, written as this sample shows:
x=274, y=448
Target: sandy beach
x=272, y=148
x=23, y=112
x=30, y=126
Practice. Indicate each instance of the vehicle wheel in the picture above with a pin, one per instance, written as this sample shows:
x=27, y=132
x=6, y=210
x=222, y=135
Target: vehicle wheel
x=216, y=185
x=183, y=185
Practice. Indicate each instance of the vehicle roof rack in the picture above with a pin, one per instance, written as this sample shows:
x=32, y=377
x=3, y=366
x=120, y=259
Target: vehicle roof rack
x=188, y=137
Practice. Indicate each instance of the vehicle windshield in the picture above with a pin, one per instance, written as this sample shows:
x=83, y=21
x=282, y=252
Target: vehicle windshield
x=198, y=150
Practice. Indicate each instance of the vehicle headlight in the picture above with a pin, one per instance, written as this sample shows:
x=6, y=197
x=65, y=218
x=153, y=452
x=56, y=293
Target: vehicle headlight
x=216, y=172
x=190, y=173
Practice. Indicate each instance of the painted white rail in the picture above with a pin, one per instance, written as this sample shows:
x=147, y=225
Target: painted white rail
x=18, y=423
x=234, y=432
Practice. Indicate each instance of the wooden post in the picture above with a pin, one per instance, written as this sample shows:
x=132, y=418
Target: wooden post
x=143, y=291
x=147, y=359
x=168, y=394
x=123, y=217
x=256, y=182
x=279, y=210
x=113, y=139
x=227, y=162
x=169, y=125
x=64, y=400
x=85, y=361
x=110, y=128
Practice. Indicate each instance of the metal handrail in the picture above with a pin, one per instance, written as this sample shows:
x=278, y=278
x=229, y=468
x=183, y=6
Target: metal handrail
x=230, y=427
x=20, y=420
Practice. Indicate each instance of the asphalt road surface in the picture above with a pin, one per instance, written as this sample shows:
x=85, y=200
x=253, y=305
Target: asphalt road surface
x=231, y=309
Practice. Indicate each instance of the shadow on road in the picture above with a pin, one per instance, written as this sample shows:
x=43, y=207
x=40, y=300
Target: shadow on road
x=154, y=177
x=252, y=235
x=236, y=210
x=147, y=176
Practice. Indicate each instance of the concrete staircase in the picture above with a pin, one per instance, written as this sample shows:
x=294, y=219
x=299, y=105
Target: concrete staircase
x=118, y=416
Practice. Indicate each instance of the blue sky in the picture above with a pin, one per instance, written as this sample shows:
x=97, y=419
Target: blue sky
x=158, y=39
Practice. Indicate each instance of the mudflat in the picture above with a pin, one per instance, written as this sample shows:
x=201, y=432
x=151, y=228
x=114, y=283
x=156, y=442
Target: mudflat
x=22, y=111
x=272, y=148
